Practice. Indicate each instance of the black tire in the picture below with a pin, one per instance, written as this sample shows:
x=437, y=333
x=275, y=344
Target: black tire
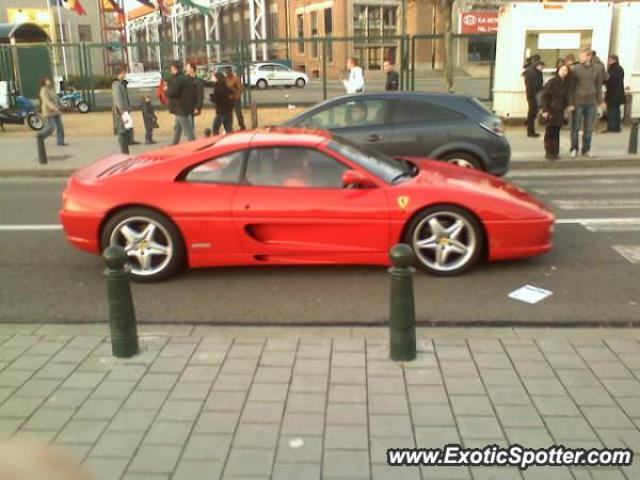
x=262, y=84
x=35, y=121
x=83, y=107
x=473, y=228
x=300, y=83
x=471, y=160
x=177, y=258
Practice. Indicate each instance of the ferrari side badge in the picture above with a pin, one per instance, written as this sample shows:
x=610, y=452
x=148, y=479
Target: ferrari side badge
x=403, y=201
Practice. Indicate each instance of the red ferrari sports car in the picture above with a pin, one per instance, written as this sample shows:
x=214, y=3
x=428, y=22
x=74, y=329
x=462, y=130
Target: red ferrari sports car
x=289, y=196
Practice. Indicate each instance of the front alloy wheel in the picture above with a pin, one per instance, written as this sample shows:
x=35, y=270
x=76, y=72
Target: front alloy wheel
x=150, y=240
x=447, y=240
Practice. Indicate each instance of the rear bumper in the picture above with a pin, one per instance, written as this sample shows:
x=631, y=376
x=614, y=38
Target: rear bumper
x=499, y=158
x=517, y=239
x=82, y=230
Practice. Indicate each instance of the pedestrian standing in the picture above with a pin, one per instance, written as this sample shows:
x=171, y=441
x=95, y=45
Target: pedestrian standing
x=222, y=96
x=555, y=99
x=121, y=111
x=598, y=63
x=533, y=82
x=355, y=82
x=182, y=102
x=237, y=88
x=393, y=79
x=149, y=118
x=50, y=107
x=198, y=86
x=614, y=95
x=585, y=95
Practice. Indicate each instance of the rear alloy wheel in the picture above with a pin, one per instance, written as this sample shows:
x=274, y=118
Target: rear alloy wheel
x=464, y=160
x=152, y=243
x=446, y=239
x=262, y=84
x=83, y=107
x=300, y=83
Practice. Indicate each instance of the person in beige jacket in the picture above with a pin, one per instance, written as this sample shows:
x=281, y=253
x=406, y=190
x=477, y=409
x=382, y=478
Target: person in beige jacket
x=51, y=112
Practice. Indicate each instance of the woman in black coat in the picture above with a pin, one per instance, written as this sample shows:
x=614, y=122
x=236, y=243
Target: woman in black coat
x=555, y=99
x=222, y=96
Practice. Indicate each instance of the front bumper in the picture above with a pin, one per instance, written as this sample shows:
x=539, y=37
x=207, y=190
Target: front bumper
x=82, y=230
x=519, y=238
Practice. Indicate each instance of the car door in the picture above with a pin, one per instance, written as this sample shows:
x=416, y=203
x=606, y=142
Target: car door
x=282, y=75
x=364, y=121
x=420, y=127
x=266, y=72
x=292, y=202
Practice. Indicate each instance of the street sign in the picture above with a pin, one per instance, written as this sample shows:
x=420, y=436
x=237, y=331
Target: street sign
x=479, y=22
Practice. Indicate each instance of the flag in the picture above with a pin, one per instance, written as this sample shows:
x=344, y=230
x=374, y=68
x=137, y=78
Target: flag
x=73, y=5
x=203, y=5
x=111, y=6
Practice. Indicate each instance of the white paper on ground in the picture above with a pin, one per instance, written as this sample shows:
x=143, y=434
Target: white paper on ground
x=296, y=443
x=530, y=294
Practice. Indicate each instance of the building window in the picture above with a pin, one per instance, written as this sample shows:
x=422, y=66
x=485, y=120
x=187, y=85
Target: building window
x=300, y=26
x=84, y=33
x=273, y=24
x=375, y=22
x=328, y=32
x=481, y=49
x=314, y=33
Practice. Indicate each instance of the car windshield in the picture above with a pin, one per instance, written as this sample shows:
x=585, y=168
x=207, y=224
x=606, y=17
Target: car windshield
x=382, y=166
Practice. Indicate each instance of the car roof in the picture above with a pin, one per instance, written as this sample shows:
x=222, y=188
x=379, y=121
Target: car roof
x=274, y=136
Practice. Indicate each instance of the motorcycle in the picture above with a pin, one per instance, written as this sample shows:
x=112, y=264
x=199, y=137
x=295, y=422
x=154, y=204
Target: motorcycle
x=24, y=110
x=73, y=99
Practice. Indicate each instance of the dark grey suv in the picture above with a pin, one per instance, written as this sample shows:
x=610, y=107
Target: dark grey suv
x=452, y=128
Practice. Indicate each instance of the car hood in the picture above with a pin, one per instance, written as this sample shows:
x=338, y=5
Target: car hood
x=437, y=174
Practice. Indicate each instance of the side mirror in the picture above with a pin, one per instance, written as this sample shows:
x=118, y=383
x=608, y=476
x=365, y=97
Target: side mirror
x=354, y=179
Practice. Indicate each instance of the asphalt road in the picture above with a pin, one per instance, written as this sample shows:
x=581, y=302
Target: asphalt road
x=313, y=92
x=593, y=271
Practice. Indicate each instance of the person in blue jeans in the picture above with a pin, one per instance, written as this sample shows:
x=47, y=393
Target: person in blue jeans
x=585, y=95
x=50, y=107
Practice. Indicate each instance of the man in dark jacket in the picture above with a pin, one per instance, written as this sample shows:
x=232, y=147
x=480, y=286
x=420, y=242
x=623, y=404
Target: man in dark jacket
x=614, y=96
x=122, y=123
x=393, y=79
x=198, y=85
x=182, y=103
x=533, y=83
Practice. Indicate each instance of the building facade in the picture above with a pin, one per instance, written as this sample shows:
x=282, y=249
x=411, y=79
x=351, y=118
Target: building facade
x=63, y=27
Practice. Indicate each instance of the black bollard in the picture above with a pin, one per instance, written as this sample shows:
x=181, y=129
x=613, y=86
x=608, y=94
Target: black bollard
x=633, y=137
x=402, y=319
x=122, y=316
x=207, y=132
x=42, y=150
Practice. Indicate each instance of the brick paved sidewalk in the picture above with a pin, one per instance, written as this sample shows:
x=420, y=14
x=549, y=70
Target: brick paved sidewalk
x=277, y=403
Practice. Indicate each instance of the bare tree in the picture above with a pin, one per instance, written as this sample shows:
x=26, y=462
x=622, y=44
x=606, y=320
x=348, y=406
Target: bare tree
x=447, y=10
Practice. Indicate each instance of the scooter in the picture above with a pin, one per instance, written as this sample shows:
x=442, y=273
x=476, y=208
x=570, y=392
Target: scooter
x=73, y=99
x=23, y=110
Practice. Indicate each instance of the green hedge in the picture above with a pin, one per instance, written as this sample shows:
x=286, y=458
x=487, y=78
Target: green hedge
x=95, y=81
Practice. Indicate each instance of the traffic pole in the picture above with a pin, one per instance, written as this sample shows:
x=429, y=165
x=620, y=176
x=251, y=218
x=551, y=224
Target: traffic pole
x=122, y=316
x=633, y=137
x=42, y=150
x=402, y=318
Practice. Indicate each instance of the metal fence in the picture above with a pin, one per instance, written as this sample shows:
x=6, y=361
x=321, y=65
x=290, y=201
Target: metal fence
x=418, y=59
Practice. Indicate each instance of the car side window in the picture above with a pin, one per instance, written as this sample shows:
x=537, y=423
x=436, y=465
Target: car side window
x=358, y=113
x=223, y=169
x=405, y=111
x=280, y=68
x=293, y=167
x=266, y=68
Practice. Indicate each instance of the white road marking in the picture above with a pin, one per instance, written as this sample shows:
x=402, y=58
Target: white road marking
x=574, y=172
x=573, y=182
x=587, y=191
x=29, y=228
x=614, y=227
x=598, y=221
x=630, y=252
x=591, y=204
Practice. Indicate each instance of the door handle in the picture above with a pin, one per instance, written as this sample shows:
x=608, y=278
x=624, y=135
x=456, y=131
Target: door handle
x=374, y=137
